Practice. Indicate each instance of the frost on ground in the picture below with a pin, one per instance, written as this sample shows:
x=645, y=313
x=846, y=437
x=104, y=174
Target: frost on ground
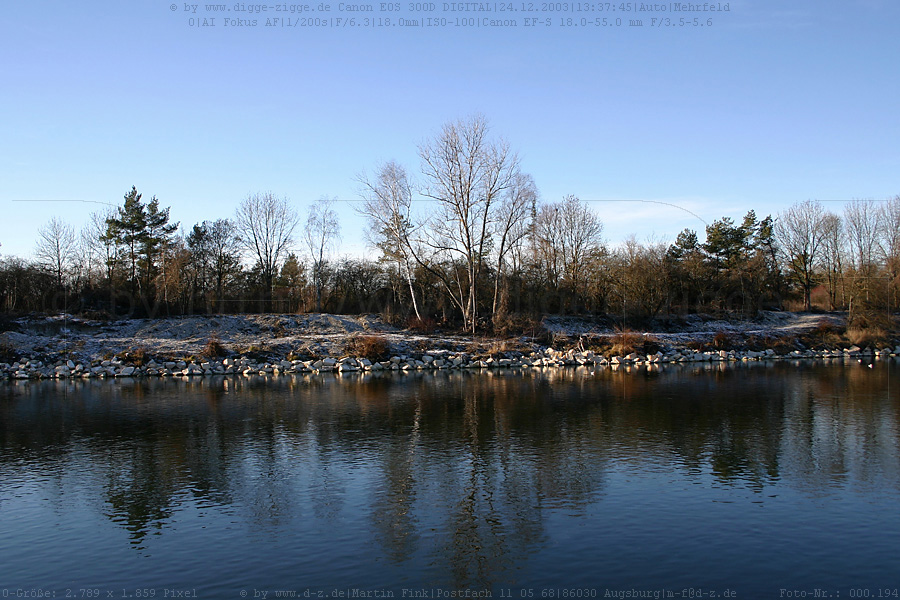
x=695, y=328
x=325, y=334
x=321, y=334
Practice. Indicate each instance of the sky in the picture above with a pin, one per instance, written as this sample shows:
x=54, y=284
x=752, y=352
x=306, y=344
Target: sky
x=660, y=128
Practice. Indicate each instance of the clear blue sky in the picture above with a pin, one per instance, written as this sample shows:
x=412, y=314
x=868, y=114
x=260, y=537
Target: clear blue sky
x=776, y=102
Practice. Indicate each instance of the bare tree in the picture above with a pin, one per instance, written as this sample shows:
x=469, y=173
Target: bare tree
x=889, y=221
x=862, y=230
x=889, y=218
x=513, y=225
x=97, y=246
x=322, y=231
x=546, y=240
x=566, y=233
x=861, y=219
x=265, y=225
x=56, y=247
x=799, y=231
x=581, y=235
x=832, y=259
x=640, y=277
x=387, y=202
x=466, y=173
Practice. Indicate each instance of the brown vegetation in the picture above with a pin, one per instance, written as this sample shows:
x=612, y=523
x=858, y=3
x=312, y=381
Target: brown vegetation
x=421, y=324
x=373, y=347
x=867, y=337
x=8, y=352
x=722, y=340
x=138, y=357
x=213, y=348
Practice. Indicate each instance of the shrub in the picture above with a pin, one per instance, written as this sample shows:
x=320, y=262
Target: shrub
x=137, y=356
x=508, y=325
x=213, y=348
x=8, y=352
x=722, y=340
x=626, y=341
x=373, y=347
x=393, y=317
x=421, y=325
x=868, y=336
x=784, y=345
x=825, y=333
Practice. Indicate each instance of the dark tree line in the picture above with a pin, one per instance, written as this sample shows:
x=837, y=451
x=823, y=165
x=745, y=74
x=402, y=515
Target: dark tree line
x=483, y=254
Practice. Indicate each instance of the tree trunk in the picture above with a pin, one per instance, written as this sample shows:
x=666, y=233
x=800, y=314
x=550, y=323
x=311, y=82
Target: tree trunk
x=412, y=292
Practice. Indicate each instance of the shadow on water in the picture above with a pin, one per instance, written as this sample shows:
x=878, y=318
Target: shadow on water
x=454, y=474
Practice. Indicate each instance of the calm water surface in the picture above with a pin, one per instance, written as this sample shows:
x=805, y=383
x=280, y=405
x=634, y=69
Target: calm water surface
x=745, y=478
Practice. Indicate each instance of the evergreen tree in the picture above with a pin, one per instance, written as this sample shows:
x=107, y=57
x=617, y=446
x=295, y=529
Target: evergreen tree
x=142, y=233
x=125, y=229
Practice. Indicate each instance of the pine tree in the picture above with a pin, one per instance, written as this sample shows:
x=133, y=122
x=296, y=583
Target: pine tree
x=142, y=232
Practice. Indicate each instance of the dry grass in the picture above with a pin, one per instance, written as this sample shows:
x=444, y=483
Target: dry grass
x=626, y=341
x=509, y=325
x=502, y=347
x=866, y=336
x=722, y=340
x=825, y=334
x=423, y=325
x=784, y=344
x=213, y=348
x=256, y=351
x=138, y=357
x=373, y=347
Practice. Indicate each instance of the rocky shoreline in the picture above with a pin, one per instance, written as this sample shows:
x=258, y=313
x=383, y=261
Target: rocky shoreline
x=432, y=360
x=65, y=347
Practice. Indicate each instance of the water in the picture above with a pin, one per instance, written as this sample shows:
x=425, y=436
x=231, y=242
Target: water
x=741, y=481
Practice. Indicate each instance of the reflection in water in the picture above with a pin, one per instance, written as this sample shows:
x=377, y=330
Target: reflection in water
x=451, y=475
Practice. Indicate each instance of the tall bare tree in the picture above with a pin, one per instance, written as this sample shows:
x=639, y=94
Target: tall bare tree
x=861, y=222
x=466, y=173
x=800, y=231
x=547, y=242
x=640, y=277
x=265, y=225
x=512, y=226
x=56, y=247
x=98, y=250
x=889, y=222
x=889, y=218
x=566, y=234
x=581, y=235
x=832, y=258
x=387, y=204
x=322, y=231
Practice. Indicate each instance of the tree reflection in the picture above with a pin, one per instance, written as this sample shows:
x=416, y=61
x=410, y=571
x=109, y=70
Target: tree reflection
x=458, y=468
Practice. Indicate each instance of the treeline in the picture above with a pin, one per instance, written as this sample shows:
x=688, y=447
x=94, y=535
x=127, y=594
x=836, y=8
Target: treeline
x=481, y=252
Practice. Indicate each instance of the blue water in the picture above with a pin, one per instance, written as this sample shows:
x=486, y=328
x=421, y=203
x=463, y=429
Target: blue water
x=741, y=481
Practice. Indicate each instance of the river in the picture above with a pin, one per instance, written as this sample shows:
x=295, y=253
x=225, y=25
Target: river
x=744, y=481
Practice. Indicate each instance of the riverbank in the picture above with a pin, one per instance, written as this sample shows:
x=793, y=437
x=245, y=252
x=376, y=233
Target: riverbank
x=68, y=347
